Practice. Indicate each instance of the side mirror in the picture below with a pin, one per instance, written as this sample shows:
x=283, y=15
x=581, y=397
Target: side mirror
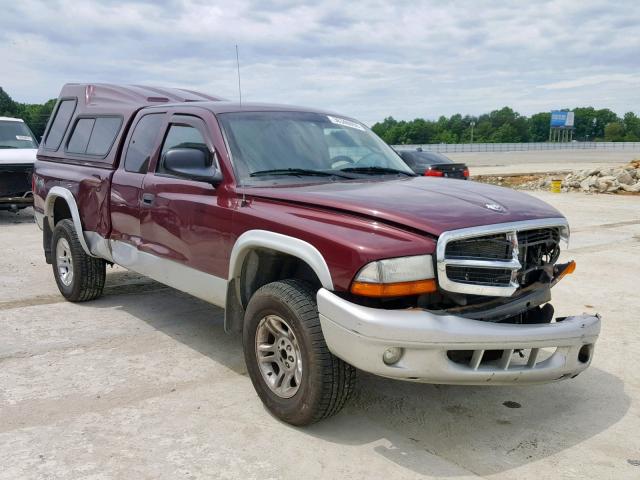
x=191, y=163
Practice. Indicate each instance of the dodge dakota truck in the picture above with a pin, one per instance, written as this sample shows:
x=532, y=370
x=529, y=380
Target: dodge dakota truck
x=326, y=251
x=17, y=155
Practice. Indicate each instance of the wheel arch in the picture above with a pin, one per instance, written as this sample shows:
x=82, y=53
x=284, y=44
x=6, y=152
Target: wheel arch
x=280, y=243
x=255, y=247
x=55, y=195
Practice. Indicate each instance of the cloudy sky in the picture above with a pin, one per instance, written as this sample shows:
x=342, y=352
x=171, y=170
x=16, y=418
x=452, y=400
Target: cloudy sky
x=366, y=59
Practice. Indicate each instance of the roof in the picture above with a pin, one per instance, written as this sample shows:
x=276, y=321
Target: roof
x=11, y=119
x=127, y=99
x=105, y=94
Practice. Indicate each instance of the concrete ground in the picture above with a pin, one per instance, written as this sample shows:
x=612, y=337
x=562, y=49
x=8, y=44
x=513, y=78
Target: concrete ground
x=144, y=384
x=501, y=163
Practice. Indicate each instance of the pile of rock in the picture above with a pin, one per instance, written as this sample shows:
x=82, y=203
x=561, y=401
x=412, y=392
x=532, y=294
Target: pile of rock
x=542, y=183
x=605, y=180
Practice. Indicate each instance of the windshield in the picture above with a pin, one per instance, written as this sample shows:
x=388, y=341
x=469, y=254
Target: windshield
x=302, y=144
x=16, y=135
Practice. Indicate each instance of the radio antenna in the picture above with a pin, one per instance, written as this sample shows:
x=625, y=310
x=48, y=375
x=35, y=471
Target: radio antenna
x=238, y=65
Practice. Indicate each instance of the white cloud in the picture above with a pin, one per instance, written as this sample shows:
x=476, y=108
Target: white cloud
x=366, y=59
x=593, y=80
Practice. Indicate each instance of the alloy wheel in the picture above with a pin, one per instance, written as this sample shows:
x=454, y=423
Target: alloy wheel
x=64, y=262
x=279, y=356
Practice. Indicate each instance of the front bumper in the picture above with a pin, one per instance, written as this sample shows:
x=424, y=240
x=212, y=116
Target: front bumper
x=454, y=350
x=15, y=184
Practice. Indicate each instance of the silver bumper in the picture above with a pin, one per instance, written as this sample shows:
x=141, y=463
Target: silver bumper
x=455, y=350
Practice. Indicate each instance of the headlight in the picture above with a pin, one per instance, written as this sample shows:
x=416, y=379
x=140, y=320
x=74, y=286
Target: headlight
x=565, y=233
x=396, y=277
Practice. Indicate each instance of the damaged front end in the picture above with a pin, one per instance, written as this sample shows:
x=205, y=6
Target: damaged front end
x=500, y=273
x=493, y=273
x=488, y=322
x=529, y=304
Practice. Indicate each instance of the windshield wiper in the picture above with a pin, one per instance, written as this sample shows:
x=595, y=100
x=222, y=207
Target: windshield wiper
x=377, y=170
x=7, y=146
x=300, y=172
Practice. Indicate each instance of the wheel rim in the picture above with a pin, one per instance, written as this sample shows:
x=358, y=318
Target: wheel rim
x=64, y=261
x=278, y=355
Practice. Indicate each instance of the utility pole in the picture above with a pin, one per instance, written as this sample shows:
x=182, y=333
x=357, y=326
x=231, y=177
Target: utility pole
x=473, y=124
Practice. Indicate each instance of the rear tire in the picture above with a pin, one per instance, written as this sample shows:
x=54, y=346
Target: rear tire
x=79, y=276
x=298, y=379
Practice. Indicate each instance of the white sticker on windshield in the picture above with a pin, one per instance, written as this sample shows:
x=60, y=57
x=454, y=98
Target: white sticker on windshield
x=345, y=123
x=23, y=137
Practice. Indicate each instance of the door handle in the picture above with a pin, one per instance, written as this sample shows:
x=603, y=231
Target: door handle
x=147, y=198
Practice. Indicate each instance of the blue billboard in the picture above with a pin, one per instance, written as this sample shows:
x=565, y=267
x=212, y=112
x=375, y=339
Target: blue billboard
x=561, y=119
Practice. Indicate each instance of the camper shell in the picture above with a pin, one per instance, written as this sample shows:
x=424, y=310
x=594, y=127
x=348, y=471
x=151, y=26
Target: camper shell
x=93, y=101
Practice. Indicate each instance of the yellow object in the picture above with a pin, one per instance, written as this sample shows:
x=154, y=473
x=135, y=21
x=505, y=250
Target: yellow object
x=556, y=186
x=393, y=289
x=569, y=270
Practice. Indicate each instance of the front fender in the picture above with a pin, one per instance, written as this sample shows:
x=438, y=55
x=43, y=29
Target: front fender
x=280, y=243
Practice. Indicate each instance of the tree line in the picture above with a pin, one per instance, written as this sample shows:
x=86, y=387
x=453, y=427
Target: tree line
x=500, y=126
x=508, y=126
x=35, y=115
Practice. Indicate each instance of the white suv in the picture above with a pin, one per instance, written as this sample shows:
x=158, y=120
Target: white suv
x=18, y=149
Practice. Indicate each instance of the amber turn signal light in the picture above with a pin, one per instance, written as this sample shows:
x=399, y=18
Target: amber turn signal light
x=401, y=289
x=570, y=268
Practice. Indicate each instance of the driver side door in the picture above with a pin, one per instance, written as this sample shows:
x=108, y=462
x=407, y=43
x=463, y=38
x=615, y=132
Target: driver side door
x=184, y=226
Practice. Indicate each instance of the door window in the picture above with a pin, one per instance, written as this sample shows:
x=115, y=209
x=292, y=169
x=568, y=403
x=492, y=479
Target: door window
x=182, y=136
x=142, y=143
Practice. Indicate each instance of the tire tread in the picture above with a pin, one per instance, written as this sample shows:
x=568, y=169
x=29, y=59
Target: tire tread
x=92, y=270
x=338, y=378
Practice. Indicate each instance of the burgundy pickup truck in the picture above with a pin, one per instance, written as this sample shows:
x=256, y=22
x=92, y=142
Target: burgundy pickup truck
x=325, y=250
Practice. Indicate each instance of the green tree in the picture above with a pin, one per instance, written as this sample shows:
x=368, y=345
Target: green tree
x=539, y=127
x=483, y=130
x=584, y=123
x=631, y=127
x=603, y=118
x=614, y=132
x=445, y=136
x=7, y=105
x=509, y=126
x=35, y=115
x=506, y=133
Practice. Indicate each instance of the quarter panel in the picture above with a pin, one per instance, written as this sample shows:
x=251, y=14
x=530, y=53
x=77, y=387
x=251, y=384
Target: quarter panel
x=89, y=186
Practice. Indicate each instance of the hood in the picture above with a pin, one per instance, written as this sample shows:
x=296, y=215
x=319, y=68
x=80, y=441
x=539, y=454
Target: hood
x=13, y=156
x=431, y=205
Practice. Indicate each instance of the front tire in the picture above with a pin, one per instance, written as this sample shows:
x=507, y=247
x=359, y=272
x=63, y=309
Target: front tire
x=296, y=376
x=79, y=276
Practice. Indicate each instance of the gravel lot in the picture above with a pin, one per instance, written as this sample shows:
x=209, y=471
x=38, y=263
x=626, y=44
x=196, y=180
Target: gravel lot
x=144, y=384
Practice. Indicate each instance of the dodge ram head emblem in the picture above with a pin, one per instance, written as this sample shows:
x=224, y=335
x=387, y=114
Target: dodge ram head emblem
x=495, y=207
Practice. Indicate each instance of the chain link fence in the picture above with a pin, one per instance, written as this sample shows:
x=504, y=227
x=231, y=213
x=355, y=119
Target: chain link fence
x=521, y=147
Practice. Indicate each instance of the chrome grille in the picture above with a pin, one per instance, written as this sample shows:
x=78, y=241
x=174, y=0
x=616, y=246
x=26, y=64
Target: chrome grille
x=480, y=276
x=491, y=247
x=491, y=260
x=537, y=236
